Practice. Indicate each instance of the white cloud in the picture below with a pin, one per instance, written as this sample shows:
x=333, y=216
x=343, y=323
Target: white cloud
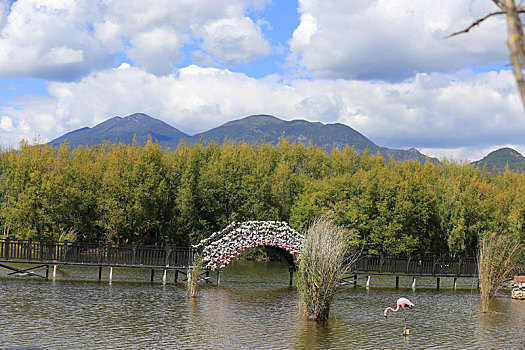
x=457, y=115
x=234, y=40
x=62, y=55
x=66, y=40
x=6, y=123
x=155, y=50
x=110, y=35
x=350, y=39
x=50, y=40
x=304, y=32
x=393, y=40
x=34, y=117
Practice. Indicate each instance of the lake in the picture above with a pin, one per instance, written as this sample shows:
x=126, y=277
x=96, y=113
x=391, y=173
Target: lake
x=253, y=308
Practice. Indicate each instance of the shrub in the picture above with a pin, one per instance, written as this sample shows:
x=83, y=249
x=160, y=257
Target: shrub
x=324, y=261
x=499, y=256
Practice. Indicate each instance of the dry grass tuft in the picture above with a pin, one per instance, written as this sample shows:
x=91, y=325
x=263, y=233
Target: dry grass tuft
x=193, y=277
x=324, y=261
x=499, y=256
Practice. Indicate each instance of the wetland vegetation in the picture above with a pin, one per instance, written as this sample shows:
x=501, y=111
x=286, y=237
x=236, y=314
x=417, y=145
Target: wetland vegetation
x=146, y=194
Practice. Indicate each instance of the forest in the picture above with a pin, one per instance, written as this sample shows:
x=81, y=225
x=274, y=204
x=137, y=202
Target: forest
x=147, y=194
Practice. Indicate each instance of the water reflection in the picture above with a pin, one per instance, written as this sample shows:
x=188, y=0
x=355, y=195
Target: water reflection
x=253, y=308
x=314, y=335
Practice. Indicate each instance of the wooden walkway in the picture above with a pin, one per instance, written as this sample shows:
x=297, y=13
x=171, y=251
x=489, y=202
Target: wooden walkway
x=40, y=255
x=416, y=266
x=99, y=254
x=411, y=266
x=43, y=254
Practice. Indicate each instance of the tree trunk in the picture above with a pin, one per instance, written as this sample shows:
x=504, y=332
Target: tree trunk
x=516, y=42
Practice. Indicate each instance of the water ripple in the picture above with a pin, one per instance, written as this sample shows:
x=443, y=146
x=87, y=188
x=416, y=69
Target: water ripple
x=252, y=309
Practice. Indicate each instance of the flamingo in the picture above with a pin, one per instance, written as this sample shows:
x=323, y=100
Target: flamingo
x=401, y=303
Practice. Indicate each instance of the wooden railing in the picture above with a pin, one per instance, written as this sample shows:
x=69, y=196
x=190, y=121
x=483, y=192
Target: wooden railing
x=95, y=253
x=146, y=255
x=437, y=266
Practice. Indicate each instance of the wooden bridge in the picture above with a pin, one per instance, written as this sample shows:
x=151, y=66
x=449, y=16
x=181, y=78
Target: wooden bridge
x=412, y=266
x=42, y=256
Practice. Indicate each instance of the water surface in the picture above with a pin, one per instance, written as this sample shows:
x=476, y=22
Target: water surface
x=253, y=308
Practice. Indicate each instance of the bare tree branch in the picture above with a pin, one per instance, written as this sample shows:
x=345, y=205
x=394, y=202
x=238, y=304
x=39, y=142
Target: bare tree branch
x=478, y=21
x=498, y=3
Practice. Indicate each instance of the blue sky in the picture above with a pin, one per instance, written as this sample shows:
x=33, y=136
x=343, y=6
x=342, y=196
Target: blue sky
x=382, y=67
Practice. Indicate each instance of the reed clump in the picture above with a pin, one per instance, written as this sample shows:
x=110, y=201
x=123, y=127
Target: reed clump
x=499, y=257
x=193, y=277
x=324, y=261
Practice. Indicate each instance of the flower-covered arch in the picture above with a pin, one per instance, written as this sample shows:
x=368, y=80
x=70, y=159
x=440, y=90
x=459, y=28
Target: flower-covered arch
x=222, y=247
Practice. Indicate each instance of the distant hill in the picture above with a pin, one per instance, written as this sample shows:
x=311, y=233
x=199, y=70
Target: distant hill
x=326, y=136
x=252, y=129
x=119, y=129
x=498, y=159
x=255, y=128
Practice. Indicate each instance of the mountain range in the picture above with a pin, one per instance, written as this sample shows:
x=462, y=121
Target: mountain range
x=255, y=128
x=251, y=129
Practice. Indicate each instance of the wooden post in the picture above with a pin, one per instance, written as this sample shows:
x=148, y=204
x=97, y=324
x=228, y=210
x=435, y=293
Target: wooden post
x=455, y=282
x=218, y=277
x=164, y=277
x=54, y=272
x=133, y=253
x=110, y=274
x=397, y=282
x=152, y=275
x=30, y=249
x=6, y=248
x=355, y=280
x=108, y=252
x=367, y=281
x=437, y=284
x=413, y=283
x=42, y=250
x=99, y=251
x=47, y=272
x=176, y=276
x=99, y=273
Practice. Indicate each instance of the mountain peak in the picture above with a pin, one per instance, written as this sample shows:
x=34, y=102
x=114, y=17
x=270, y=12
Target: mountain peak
x=255, y=120
x=499, y=159
x=118, y=129
x=138, y=117
x=261, y=117
x=507, y=151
